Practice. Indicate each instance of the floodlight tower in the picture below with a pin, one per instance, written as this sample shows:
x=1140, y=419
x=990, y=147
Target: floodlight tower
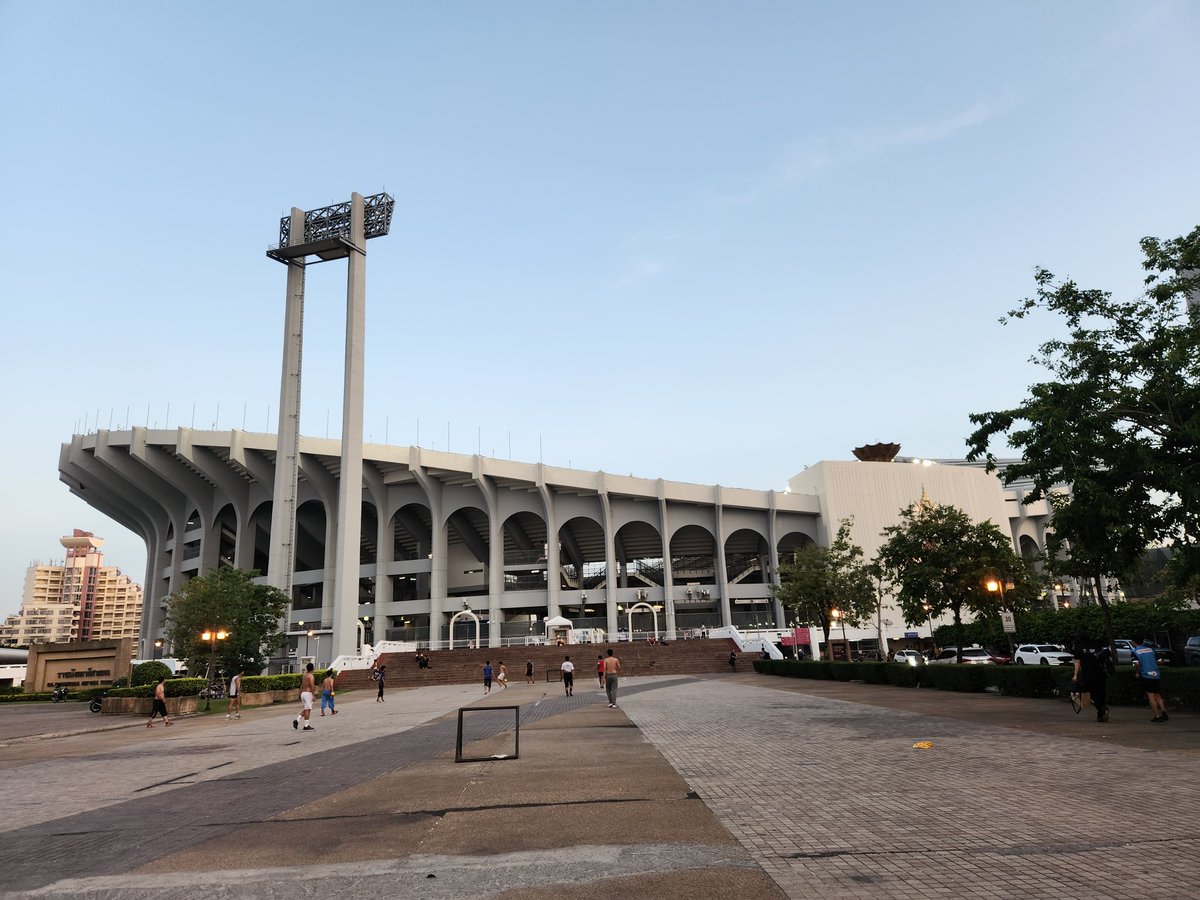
x=333, y=232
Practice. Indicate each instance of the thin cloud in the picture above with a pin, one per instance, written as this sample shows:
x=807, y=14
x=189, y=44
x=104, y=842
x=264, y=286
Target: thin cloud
x=809, y=158
x=640, y=271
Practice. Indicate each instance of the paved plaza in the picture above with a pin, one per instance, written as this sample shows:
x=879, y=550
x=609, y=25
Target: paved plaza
x=711, y=786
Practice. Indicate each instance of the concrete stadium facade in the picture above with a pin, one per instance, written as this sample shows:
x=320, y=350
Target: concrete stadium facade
x=516, y=542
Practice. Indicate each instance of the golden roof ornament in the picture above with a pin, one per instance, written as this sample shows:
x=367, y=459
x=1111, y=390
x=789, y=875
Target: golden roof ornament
x=876, y=452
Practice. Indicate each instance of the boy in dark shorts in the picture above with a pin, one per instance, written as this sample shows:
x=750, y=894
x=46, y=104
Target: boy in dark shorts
x=160, y=704
x=1145, y=661
x=568, y=676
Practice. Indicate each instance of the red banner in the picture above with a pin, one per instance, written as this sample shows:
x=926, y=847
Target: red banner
x=798, y=637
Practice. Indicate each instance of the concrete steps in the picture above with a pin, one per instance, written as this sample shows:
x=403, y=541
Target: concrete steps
x=466, y=666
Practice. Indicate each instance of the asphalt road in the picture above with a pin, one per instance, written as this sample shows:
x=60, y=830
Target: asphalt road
x=26, y=719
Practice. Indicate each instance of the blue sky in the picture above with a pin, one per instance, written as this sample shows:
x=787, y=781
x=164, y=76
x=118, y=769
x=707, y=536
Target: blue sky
x=709, y=242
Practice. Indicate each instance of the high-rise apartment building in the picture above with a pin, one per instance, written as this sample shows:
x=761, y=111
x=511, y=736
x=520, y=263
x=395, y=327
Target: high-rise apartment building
x=79, y=599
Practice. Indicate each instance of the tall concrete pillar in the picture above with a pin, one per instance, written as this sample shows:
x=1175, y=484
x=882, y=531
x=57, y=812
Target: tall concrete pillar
x=553, y=561
x=384, y=552
x=720, y=573
x=610, y=564
x=668, y=581
x=439, y=569
x=439, y=548
x=243, y=548
x=495, y=579
x=287, y=460
x=350, y=482
x=773, y=540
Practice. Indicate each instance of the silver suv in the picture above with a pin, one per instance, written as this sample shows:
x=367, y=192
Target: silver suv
x=1125, y=653
x=1191, y=651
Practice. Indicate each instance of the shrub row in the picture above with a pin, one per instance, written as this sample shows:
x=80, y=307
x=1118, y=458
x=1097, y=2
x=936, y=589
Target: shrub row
x=1181, y=686
x=175, y=687
x=251, y=684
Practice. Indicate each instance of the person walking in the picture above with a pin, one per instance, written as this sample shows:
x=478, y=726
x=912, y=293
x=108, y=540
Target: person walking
x=327, y=694
x=308, y=686
x=502, y=675
x=381, y=677
x=1093, y=665
x=529, y=671
x=568, y=676
x=487, y=677
x=235, y=697
x=159, y=707
x=1145, y=662
x=733, y=660
x=612, y=669
x=600, y=671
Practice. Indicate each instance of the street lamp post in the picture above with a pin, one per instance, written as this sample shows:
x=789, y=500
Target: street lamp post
x=993, y=584
x=158, y=645
x=929, y=616
x=211, y=636
x=838, y=617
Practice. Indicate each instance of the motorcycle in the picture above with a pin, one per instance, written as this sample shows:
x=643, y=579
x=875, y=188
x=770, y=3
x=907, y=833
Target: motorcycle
x=58, y=694
x=212, y=692
x=96, y=705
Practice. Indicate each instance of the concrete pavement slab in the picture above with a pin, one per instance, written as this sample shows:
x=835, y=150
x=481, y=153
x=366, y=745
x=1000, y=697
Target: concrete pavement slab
x=715, y=786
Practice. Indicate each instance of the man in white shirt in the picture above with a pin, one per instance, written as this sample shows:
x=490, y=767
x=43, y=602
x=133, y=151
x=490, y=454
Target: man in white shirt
x=568, y=676
x=235, y=697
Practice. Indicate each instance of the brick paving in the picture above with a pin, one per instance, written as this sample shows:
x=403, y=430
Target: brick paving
x=832, y=799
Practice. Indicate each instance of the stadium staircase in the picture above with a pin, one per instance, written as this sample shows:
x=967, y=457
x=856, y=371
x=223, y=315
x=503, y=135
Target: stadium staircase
x=463, y=666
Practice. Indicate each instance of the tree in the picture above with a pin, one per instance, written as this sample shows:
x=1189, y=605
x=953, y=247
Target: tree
x=940, y=560
x=819, y=580
x=149, y=672
x=226, y=599
x=1118, y=421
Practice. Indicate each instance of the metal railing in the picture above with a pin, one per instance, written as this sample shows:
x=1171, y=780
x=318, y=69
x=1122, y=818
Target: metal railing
x=523, y=557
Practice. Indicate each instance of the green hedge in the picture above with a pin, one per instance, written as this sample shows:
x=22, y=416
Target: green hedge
x=251, y=684
x=174, y=687
x=22, y=698
x=903, y=675
x=967, y=678
x=1030, y=681
x=1180, y=685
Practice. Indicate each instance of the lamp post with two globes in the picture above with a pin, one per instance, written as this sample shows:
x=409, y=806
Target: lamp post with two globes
x=211, y=636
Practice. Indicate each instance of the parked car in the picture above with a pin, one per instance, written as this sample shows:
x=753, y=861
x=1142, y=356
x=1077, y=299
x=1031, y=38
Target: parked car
x=970, y=656
x=1042, y=655
x=1191, y=651
x=1125, y=650
x=999, y=657
x=912, y=657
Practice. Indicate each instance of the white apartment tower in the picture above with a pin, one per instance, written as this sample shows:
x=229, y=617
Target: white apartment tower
x=80, y=599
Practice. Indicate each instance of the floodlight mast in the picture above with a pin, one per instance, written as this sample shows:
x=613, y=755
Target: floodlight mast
x=332, y=232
